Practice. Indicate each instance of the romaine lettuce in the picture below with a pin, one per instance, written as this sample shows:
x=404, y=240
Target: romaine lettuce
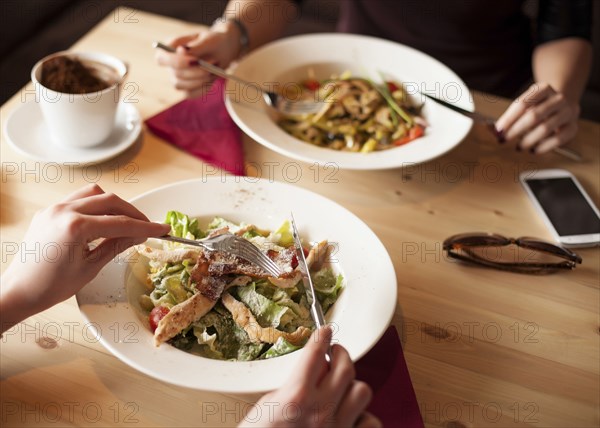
x=281, y=347
x=161, y=297
x=289, y=297
x=232, y=342
x=283, y=236
x=267, y=312
x=220, y=222
x=327, y=287
x=175, y=288
x=182, y=226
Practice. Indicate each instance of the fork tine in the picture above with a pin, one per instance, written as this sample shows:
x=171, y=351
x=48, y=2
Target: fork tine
x=270, y=264
x=269, y=269
x=300, y=107
x=274, y=266
x=235, y=245
x=295, y=109
x=274, y=269
x=251, y=253
x=261, y=259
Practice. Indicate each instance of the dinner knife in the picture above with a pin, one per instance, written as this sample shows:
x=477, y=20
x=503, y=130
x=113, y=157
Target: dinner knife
x=491, y=125
x=315, y=307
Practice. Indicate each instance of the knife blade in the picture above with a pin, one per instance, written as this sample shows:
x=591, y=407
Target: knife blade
x=491, y=125
x=315, y=307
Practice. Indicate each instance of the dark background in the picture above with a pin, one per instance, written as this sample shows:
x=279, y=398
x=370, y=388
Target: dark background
x=32, y=29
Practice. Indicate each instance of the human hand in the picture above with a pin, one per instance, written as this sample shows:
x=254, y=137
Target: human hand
x=55, y=260
x=219, y=45
x=317, y=395
x=540, y=120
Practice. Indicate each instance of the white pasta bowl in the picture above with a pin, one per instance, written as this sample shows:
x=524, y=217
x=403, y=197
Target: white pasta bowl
x=359, y=317
x=287, y=61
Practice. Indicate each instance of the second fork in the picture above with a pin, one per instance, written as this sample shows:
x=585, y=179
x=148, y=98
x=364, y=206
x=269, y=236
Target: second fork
x=275, y=100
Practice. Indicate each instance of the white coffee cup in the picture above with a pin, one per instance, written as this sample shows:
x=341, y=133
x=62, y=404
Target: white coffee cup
x=81, y=120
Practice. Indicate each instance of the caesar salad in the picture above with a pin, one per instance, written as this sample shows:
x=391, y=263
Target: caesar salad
x=220, y=306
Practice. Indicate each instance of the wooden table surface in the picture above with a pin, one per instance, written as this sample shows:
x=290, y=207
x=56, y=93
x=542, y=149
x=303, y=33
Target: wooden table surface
x=483, y=347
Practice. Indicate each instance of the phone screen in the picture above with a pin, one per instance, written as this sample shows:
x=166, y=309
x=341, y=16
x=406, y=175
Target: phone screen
x=568, y=210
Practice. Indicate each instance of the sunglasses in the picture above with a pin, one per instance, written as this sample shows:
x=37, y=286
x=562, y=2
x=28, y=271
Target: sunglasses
x=523, y=255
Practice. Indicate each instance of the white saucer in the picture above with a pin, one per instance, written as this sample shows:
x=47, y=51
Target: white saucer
x=27, y=133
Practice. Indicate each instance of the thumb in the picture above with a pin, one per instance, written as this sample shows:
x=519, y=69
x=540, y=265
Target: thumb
x=111, y=248
x=313, y=363
x=206, y=45
x=183, y=40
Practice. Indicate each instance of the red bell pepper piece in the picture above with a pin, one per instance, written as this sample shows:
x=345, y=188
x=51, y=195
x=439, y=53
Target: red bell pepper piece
x=311, y=84
x=392, y=87
x=413, y=133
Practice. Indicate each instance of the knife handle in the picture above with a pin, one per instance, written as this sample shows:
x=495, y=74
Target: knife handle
x=317, y=316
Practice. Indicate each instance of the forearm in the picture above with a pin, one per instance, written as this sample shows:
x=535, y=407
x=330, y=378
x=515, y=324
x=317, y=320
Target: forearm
x=564, y=64
x=264, y=20
x=14, y=305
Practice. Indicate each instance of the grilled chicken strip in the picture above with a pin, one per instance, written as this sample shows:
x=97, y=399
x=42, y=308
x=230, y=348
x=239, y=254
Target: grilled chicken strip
x=244, y=318
x=182, y=315
x=317, y=254
x=209, y=291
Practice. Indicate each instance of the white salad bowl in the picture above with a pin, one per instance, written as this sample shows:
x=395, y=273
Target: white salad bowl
x=359, y=317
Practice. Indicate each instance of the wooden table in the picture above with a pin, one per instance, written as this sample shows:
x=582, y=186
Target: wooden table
x=484, y=347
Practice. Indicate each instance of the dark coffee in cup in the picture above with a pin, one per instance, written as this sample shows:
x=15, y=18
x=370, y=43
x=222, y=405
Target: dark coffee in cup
x=72, y=76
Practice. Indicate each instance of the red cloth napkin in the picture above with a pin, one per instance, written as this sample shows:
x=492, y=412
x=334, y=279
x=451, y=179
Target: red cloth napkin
x=203, y=128
x=384, y=369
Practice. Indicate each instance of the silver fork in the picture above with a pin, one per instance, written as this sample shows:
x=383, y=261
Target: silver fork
x=232, y=244
x=275, y=100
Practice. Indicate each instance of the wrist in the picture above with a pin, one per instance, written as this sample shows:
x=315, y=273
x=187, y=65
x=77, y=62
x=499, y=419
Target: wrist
x=237, y=35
